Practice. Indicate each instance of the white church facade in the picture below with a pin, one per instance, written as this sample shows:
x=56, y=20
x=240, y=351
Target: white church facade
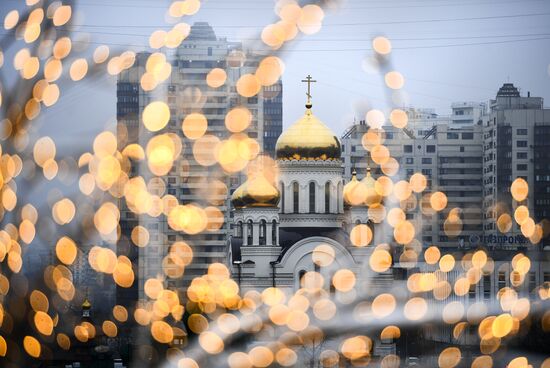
x=278, y=225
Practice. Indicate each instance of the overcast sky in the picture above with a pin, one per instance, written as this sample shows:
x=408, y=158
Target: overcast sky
x=510, y=38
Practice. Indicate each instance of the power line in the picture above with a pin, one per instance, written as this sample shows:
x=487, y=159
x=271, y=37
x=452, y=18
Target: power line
x=337, y=7
x=342, y=50
x=339, y=24
x=341, y=39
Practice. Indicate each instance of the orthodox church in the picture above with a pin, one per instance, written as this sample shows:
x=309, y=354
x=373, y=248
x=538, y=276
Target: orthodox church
x=279, y=225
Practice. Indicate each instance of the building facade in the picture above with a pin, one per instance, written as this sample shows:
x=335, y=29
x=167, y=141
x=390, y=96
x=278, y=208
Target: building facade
x=514, y=146
x=473, y=157
x=448, y=155
x=187, y=91
x=304, y=225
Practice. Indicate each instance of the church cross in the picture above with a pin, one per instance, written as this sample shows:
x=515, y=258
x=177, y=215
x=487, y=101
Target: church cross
x=308, y=80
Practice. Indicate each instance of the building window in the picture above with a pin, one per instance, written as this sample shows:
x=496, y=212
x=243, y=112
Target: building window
x=532, y=281
x=472, y=292
x=327, y=197
x=521, y=144
x=467, y=135
x=427, y=160
x=521, y=132
x=501, y=280
x=521, y=155
x=300, y=275
x=461, y=148
x=407, y=148
x=487, y=287
x=263, y=226
x=312, y=197
x=240, y=230
x=296, y=197
x=452, y=135
x=210, y=51
x=274, y=232
x=521, y=167
x=409, y=160
x=430, y=148
x=250, y=232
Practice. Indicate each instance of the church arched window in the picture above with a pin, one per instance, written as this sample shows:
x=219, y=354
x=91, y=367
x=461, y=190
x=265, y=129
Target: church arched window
x=300, y=275
x=296, y=197
x=274, y=232
x=263, y=226
x=239, y=230
x=312, y=197
x=250, y=232
x=327, y=197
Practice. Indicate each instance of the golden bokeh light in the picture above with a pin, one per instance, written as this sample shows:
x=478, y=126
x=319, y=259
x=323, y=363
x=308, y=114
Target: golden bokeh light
x=361, y=235
x=519, y=189
x=248, y=85
x=381, y=45
x=449, y=358
x=32, y=346
x=194, y=126
x=62, y=15
x=394, y=80
x=216, y=78
x=238, y=119
x=156, y=115
x=344, y=280
x=438, y=201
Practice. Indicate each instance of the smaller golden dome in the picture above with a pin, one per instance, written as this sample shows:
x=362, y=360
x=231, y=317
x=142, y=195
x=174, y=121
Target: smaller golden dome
x=86, y=304
x=372, y=196
x=361, y=193
x=256, y=192
x=354, y=192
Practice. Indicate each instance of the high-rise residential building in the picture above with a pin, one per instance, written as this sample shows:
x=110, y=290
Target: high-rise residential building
x=273, y=116
x=516, y=132
x=186, y=91
x=474, y=162
x=473, y=157
x=420, y=127
x=448, y=155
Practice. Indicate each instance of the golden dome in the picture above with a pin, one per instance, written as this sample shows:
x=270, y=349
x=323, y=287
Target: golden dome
x=372, y=196
x=354, y=192
x=256, y=192
x=308, y=139
x=360, y=193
